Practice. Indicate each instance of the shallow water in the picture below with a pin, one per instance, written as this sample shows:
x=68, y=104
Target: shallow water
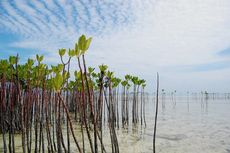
x=184, y=125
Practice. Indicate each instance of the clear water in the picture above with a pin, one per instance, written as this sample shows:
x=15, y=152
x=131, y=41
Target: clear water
x=185, y=125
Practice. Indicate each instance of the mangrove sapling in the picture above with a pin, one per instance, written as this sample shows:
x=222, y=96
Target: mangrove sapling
x=143, y=102
x=11, y=98
x=156, y=113
x=135, y=100
x=78, y=52
x=124, y=103
x=41, y=137
x=115, y=86
x=100, y=82
x=65, y=75
x=61, y=54
x=139, y=83
x=28, y=102
x=20, y=104
x=71, y=53
x=114, y=141
x=83, y=46
x=38, y=78
x=142, y=83
x=123, y=83
x=58, y=82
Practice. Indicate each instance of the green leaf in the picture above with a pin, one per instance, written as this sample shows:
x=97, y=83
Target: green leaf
x=62, y=52
x=94, y=74
x=39, y=58
x=134, y=80
x=124, y=83
x=71, y=52
x=60, y=67
x=88, y=42
x=103, y=67
x=77, y=50
x=30, y=62
x=81, y=42
x=75, y=74
x=3, y=65
x=58, y=80
x=12, y=60
x=128, y=77
x=110, y=74
x=90, y=69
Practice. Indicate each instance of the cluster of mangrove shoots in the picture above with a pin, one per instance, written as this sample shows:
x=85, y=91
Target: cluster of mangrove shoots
x=39, y=101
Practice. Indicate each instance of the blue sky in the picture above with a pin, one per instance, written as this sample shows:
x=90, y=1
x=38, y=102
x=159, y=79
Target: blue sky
x=187, y=42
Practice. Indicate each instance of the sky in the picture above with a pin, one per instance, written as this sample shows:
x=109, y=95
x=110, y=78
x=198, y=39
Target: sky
x=186, y=41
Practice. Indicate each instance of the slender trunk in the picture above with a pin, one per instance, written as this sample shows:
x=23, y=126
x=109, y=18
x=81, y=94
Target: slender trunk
x=70, y=123
x=141, y=105
x=54, y=120
x=91, y=107
x=48, y=135
x=2, y=109
x=144, y=106
x=36, y=122
x=117, y=100
x=156, y=113
x=58, y=125
x=67, y=122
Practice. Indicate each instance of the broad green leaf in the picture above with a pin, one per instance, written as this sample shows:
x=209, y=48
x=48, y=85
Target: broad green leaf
x=110, y=74
x=39, y=58
x=62, y=52
x=58, y=80
x=30, y=62
x=103, y=67
x=71, y=52
x=3, y=65
x=77, y=50
x=90, y=69
x=81, y=42
x=88, y=42
x=86, y=45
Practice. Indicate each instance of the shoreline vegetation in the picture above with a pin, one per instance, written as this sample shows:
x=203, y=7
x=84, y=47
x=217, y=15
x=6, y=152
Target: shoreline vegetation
x=38, y=101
